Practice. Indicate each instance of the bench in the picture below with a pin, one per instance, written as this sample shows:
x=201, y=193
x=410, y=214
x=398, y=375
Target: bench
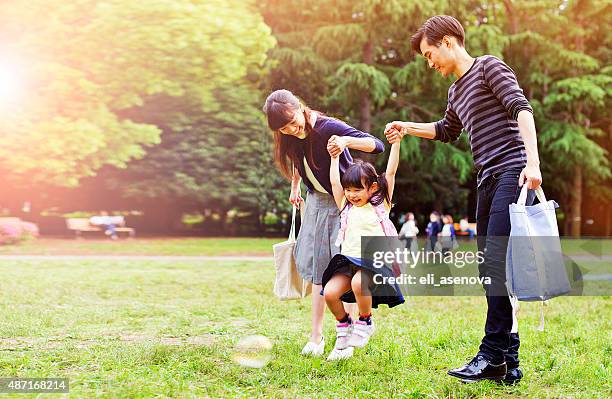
x=9, y=220
x=81, y=225
x=471, y=226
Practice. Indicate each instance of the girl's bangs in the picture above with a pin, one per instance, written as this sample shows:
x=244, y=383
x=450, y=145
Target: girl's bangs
x=279, y=115
x=352, y=177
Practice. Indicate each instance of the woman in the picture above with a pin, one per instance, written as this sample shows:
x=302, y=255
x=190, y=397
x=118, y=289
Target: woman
x=303, y=142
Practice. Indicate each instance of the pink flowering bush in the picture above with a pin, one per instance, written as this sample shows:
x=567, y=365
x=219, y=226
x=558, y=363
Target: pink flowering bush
x=13, y=230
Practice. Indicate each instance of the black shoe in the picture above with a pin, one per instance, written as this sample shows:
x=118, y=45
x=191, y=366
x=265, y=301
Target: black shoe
x=479, y=369
x=513, y=376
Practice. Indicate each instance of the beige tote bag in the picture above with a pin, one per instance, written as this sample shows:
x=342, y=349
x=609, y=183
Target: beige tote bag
x=288, y=283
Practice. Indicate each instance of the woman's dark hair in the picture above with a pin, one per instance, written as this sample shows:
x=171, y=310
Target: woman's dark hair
x=280, y=108
x=434, y=29
x=362, y=175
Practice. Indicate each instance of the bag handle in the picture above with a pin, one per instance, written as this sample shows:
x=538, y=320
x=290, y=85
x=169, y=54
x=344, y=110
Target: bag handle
x=522, y=199
x=292, y=230
x=541, y=326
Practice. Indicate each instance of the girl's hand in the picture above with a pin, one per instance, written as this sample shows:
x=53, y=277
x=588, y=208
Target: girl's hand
x=335, y=146
x=395, y=131
x=393, y=137
x=296, y=198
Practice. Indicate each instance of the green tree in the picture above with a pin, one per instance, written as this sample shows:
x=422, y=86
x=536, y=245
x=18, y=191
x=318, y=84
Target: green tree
x=85, y=62
x=354, y=60
x=214, y=154
x=557, y=48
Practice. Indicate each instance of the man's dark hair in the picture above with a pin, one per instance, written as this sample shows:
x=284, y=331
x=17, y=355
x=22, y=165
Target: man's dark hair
x=434, y=29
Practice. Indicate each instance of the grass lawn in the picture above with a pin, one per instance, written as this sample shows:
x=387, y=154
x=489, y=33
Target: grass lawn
x=156, y=328
x=217, y=246
x=145, y=246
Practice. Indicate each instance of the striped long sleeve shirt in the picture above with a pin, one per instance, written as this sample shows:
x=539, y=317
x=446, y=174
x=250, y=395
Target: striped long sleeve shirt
x=486, y=102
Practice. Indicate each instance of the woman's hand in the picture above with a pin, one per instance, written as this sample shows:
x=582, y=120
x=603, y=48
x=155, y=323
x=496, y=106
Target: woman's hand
x=336, y=145
x=296, y=198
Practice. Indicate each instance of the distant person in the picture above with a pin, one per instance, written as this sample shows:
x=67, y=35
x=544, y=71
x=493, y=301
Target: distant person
x=447, y=235
x=107, y=223
x=464, y=225
x=434, y=227
x=402, y=219
x=409, y=230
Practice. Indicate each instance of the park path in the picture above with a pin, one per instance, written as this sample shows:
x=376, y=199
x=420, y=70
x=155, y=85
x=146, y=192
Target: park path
x=233, y=258
x=163, y=258
x=204, y=258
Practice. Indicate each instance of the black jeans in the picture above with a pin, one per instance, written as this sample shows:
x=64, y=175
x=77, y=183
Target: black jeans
x=495, y=194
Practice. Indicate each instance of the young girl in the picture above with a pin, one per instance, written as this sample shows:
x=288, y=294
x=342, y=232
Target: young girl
x=364, y=198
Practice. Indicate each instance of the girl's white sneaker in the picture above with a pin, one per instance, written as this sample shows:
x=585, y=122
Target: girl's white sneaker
x=361, y=334
x=343, y=333
x=341, y=349
x=341, y=354
x=314, y=349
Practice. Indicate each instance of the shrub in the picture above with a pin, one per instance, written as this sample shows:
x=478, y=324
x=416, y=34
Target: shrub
x=13, y=230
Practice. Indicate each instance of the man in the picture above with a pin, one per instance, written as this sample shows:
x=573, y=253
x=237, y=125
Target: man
x=487, y=102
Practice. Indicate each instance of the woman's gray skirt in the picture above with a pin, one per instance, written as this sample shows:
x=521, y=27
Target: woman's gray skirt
x=315, y=244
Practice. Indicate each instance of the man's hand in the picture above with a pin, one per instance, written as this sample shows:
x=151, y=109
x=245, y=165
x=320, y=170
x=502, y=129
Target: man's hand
x=530, y=174
x=336, y=145
x=395, y=131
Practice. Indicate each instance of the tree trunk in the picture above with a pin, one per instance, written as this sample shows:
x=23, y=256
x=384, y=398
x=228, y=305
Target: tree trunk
x=567, y=224
x=607, y=228
x=365, y=120
x=437, y=205
x=576, y=203
x=224, y=229
x=365, y=117
x=514, y=18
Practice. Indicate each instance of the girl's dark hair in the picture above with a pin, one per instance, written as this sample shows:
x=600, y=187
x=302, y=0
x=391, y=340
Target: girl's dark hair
x=280, y=108
x=362, y=175
x=434, y=29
